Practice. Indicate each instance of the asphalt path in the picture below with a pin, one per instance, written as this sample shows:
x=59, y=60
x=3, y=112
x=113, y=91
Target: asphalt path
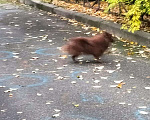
x=39, y=82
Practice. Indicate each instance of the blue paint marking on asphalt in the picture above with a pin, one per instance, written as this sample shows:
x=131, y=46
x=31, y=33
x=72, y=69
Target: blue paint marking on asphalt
x=6, y=78
x=9, y=55
x=98, y=98
x=46, y=118
x=83, y=97
x=43, y=51
x=75, y=74
x=43, y=80
x=94, y=98
x=140, y=116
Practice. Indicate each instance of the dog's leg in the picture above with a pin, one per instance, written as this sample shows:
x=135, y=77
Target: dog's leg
x=73, y=58
x=97, y=58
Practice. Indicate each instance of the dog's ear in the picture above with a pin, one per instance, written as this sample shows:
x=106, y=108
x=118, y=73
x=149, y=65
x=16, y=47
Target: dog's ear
x=109, y=36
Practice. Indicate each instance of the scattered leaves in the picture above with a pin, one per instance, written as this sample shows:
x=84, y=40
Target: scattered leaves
x=6, y=91
x=19, y=112
x=38, y=94
x=129, y=58
x=134, y=87
x=63, y=56
x=143, y=112
x=131, y=77
x=3, y=110
x=56, y=115
x=99, y=68
x=96, y=81
x=74, y=82
x=65, y=39
x=49, y=102
x=75, y=105
x=113, y=49
x=120, y=85
x=44, y=37
x=148, y=77
x=113, y=86
x=19, y=69
x=34, y=58
x=122, y=103
x=118, y=81
x=60, y=77
x=142, y=107
x=110, y=71
x=148, y=88
x=51, y=88
x=10, y=95
x=59, y=68
x=104, y=78
x=80, y=77
x=57, y=110
x=96, y=86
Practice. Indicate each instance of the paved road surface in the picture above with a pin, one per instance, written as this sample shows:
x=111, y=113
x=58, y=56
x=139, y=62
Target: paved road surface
x=37, y=84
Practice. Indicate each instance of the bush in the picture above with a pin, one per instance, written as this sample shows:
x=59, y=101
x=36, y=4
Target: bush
x=135, y=11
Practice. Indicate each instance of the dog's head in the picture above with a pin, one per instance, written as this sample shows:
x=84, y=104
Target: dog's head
x=108, y=36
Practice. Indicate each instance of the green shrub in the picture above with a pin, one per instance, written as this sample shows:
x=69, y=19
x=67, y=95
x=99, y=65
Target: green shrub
x=135, y=11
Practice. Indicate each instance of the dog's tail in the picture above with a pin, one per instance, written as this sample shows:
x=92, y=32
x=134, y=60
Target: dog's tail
x=76, y=45
x=65, y=48
x=81, y=41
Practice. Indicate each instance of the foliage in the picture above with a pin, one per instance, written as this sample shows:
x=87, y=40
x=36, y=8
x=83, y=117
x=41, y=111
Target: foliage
x=134, y=14
x=112, y=4
x=132, y=10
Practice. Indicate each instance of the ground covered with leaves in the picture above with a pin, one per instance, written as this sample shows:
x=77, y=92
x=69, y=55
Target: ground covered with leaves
x=113, y=16
x=121, y=46
x=39, y=82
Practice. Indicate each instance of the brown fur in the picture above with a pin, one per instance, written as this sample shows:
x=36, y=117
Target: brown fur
x=95, y=46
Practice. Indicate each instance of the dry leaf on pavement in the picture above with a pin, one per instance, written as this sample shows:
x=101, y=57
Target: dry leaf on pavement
x=120, y=85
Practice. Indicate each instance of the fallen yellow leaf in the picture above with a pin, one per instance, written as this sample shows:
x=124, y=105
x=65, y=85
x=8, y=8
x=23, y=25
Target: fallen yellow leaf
x=131, y=43
x=148, y=77
x=75, y=105
x=120, y=85
x=143, y=46
x=10, y=95
x=63, y=56
x=130, y=53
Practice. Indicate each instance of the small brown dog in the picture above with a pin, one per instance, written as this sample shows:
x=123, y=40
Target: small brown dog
x=95, y=46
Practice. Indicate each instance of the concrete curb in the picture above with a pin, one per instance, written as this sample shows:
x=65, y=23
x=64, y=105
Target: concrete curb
x=141, y=37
